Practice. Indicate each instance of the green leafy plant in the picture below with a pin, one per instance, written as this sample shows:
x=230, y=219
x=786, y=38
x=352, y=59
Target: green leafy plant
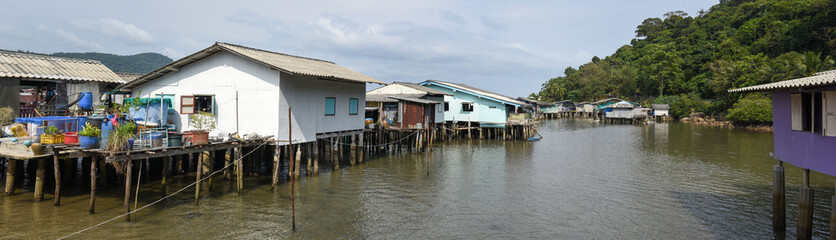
x=51, y=130
x=755, y=108
x=90, y=131
x=117, y=139
x=202, y=121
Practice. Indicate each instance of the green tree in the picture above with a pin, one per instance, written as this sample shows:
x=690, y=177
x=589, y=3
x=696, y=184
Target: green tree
x=755, y=108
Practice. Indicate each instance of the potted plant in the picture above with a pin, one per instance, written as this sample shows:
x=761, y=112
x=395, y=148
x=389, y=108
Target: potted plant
x=52, y=135
x=120, y=138
x=203, y=122
x=89, y=136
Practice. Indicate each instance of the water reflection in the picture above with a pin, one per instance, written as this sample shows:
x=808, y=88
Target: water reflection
x=583, y=180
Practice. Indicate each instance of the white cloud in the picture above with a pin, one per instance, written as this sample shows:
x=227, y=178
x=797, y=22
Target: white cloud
x=71, y=38
x=125, y=32
x=173, y=54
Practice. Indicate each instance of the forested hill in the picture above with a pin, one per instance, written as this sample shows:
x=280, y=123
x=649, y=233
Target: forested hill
x=139, y=63
x=683, y=59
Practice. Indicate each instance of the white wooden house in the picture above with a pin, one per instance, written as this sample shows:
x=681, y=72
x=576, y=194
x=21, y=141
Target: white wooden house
x=250, y=91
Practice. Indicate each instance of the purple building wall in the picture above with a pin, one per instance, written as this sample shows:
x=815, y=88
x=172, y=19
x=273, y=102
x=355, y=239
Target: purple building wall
x=804, y=149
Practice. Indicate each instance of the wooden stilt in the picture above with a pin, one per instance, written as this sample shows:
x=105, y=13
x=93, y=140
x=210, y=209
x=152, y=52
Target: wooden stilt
x=11, y=171
x=166, y=174
x=227, y=161
x=57, y=199
x=40, y=176
x=363, y=148
x=833, y=217
x=92, y=207
x=351, y=150
x=240, y=173
x=318, y=156
x=208, y=166
x=198, y=175
x=276, y=153
x=779, y=224
x=335, y=160
x=805, y=211
x=128, y=176
x=296, y=161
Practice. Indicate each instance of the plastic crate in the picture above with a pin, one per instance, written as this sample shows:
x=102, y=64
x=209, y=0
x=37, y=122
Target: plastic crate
x=51, y=139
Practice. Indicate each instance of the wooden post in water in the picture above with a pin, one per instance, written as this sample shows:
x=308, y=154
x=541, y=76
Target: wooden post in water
x=10, y=177
x=227, y=162
x=351, y=148
x=290, y=148
x=198, y=173
x=93, y=163
x=166, y=174
x=362, y=148
x=318, y=156
x=128, y=176
x=805, y=211
x=239, y=167
x=833, y=217
x=208, y=162
x=40, y=176
x=309, y=156
x=57, y=199
x=276, y=154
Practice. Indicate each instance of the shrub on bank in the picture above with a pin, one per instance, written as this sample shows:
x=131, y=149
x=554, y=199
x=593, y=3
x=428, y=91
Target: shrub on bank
x=755, y=108
x=687, y=104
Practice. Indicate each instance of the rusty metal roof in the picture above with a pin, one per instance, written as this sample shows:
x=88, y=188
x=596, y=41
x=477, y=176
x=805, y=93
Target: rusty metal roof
x=416, y=100
x=279, y=61
x=33, y=66
x=819, y=79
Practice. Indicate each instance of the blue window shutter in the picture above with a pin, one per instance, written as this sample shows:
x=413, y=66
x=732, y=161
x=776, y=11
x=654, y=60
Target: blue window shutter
x=330, y=106
x=352, y=106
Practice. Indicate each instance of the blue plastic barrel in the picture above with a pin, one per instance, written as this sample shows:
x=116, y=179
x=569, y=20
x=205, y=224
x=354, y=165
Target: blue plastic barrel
x=82, y=121
x=106, y=127
x=86, y=102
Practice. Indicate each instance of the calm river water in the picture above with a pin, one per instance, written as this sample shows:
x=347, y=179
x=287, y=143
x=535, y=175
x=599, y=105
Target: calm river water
x=583, y=180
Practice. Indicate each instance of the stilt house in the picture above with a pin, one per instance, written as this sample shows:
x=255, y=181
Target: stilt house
x=470, y=104
x=407, y=104
x=30, y=81
x=252, y=90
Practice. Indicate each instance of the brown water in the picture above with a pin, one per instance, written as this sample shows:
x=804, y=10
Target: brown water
x=583, y=180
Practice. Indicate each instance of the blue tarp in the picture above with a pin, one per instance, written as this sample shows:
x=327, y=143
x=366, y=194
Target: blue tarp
x=40, y=120
x=153, y=111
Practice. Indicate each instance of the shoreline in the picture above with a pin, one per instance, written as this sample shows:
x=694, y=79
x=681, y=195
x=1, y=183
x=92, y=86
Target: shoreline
x=710, y=121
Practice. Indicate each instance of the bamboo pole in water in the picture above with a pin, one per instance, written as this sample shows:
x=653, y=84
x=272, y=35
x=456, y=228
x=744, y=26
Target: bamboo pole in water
x=290, y=145
x=276, y=154
x=138, y=183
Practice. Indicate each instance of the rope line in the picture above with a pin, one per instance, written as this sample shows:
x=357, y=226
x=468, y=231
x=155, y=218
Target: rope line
x=166, y=197
x=378, y=145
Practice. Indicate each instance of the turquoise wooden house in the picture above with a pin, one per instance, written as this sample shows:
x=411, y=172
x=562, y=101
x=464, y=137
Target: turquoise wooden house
x=479, y=107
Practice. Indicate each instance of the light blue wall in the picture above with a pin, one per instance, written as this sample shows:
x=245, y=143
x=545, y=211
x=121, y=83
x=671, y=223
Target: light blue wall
x=482, y=111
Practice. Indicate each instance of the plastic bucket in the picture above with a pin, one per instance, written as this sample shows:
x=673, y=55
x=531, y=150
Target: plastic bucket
x=106, y=127
x=82, y=121
x=70, y=137
x=86, y=102
x=156, y=139
x=88, y=142
x=95, y=121
x=175, y=140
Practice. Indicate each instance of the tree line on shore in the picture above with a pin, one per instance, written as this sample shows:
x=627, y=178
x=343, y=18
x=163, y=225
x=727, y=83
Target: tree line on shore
x=691, y=62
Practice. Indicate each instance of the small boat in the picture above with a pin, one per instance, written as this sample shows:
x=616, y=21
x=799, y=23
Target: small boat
x=534, y=139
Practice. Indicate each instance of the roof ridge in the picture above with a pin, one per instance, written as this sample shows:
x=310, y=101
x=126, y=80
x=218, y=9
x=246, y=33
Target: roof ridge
x=268, y=51
x=44, y=56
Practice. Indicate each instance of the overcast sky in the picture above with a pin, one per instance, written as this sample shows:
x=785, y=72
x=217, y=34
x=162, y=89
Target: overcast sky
x=510, y=47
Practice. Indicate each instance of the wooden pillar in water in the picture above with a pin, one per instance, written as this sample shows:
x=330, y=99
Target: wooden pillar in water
x=11, y=171
x=127, y=203
x=335, y=160
x=57, y=200
x=208, y=166
x=166, y=174
x=276, y=153
x=40, y=176
x=198, y=173
x=362, y=148
x=309, y=156
x=352, y=147
x=318, y=157
x=239, y=166
x=833, y=217
x=297, y=160
x=227, y=162
x=805, y=209
x=92, y=206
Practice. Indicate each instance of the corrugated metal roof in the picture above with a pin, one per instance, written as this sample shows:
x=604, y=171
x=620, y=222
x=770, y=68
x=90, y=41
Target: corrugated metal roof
x=128, y=77
x=385, y=97
x=464, y=87
x=418, y=100
x=819, y=79
x=32, y=66
x=422, y=88
x=530, y=101
x=279, y=61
